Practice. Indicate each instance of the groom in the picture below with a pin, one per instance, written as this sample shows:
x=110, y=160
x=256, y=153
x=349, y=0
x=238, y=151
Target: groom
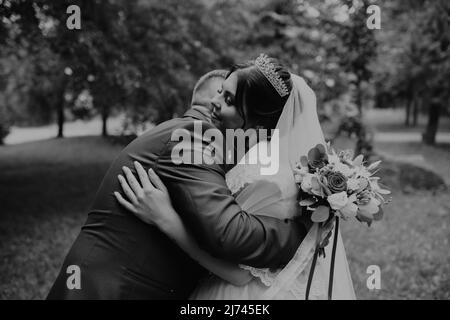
x=117, y=256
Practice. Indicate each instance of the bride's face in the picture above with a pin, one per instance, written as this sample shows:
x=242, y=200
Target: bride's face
x=225, y=114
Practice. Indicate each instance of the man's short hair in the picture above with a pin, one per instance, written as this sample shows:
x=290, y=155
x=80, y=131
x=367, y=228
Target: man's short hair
x=219, y=73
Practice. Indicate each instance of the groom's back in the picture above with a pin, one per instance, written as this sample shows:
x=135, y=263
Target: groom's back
x=121, y=257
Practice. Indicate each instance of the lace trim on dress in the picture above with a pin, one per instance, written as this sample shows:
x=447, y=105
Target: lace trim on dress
x=266, y=275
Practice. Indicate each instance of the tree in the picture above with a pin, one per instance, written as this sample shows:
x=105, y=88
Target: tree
x=413, y=67
x=359, y=47
x=436, y=30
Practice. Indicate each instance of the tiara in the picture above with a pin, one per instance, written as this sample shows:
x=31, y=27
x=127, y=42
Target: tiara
x=268, y=69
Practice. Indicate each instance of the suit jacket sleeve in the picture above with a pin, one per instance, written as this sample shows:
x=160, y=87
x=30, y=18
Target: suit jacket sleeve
x=204, y=202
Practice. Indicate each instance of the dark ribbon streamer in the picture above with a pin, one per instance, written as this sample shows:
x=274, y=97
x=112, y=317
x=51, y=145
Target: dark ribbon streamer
x=333, y=257
x=313, y=265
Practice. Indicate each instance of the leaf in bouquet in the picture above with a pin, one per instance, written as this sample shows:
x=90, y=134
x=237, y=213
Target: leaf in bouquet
x=370, y=207
x=304, y=161
x=383, y=191
x=313, y=154
x=379, y=197
x=364, y=217
x=374, y=165
x=320, y=148
x=374, y=173
x=321, y=214
x=308, y=202
x=379, y=215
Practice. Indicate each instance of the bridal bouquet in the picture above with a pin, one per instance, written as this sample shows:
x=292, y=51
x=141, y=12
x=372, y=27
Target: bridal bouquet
x=333, y=186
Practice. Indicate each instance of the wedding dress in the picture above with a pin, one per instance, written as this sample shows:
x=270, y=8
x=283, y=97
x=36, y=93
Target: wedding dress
x=298, y=130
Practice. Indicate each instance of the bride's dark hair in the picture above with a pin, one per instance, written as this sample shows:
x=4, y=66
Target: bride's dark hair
x=257, y=101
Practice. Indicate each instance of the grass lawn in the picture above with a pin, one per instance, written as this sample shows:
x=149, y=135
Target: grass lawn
x=46, y=188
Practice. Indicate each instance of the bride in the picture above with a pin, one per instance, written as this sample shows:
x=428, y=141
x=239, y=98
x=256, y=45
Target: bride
x=297, y=129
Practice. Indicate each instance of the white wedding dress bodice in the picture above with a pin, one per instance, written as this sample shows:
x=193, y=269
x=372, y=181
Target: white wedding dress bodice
x=279, y=201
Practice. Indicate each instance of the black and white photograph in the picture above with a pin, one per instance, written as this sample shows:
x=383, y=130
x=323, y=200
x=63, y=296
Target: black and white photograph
x=231, y=150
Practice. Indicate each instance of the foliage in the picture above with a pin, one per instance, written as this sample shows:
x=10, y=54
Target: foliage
x=413, y=67
x=143, y=57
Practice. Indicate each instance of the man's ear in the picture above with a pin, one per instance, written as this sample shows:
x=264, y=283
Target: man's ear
x=200, y=99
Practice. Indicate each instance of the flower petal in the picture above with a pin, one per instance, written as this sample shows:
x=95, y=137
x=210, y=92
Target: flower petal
x=374, y=165
x=358, y=160
x=350, y=210
x=379, y=215
x=304, y=161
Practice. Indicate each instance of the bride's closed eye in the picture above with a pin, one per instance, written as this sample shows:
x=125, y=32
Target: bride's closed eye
x=229, y=101
x=227, y=97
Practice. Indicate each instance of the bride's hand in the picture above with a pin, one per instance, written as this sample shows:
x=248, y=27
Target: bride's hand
x=149, y=200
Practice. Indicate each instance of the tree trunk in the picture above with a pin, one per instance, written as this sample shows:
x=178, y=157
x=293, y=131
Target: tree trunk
x=429, y=136
x=416, y=108
x=104, y=121
x=408, y=112
x=60, y=115
x=60, y=106
x=358, y=97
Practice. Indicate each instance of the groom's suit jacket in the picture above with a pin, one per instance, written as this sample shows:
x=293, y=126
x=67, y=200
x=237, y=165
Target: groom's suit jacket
x=121, y=257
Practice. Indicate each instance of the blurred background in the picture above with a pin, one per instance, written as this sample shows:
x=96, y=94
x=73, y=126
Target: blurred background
x=70, y=100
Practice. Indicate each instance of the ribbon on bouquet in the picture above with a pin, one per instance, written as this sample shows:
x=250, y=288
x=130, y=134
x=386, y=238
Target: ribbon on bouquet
x=333, y=257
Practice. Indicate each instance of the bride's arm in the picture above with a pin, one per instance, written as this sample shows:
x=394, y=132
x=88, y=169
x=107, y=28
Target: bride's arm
x=226, y=270
x=151, y=199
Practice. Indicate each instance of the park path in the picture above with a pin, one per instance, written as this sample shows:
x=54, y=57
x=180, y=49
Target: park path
x=441, y=137
x=77, y=128
x=93, y=128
